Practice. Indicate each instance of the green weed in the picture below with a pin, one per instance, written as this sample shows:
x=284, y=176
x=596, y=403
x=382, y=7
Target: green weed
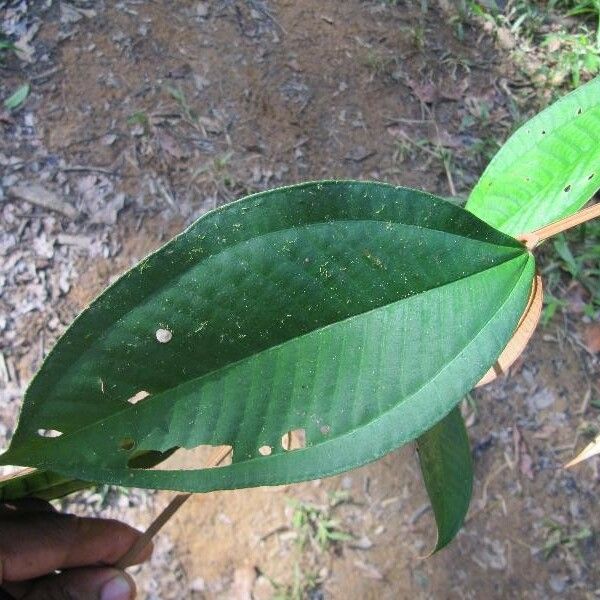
x=376, y=61
x=17, y=98
x=179, y=96
x=574, y=256
x=304, y=585
x=558, y=536
x=140, y=118
x=409, y=148
x=581, y=7
x=572, y=55
x=316, y=526
x=6, y=46
x=568, y=53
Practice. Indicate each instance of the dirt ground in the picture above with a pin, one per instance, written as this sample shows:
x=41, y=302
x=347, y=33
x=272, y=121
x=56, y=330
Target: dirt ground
x=144, y=115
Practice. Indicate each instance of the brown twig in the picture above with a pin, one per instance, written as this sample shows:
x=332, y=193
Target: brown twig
x=86, y=169
x=129, y=558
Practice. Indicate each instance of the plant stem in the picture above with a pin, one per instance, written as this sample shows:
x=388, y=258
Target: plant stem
x=531, y=240
x=131, y=555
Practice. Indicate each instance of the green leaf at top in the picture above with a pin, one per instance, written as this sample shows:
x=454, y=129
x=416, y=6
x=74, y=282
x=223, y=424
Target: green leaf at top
x=548, y=169
x=447, y=467
x=17, y=98
x=360, y=312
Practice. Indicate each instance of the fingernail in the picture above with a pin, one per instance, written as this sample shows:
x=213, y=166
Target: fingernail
x=117, y=588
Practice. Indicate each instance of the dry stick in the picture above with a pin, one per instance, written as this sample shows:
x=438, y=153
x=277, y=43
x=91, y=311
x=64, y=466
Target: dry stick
x=532, y=239
x=129, y=558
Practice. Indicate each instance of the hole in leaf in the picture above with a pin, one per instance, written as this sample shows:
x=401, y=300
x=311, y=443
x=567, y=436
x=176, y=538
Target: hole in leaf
x=127, y=444
x=138, y=397
x=579, y=110
x=294, y=439
x=543, y=132
x=164, y=335
x=591, y=176
x=147, y=459
x=265, y=450
x=178, y=459
x=49, y=433
x=568, y=188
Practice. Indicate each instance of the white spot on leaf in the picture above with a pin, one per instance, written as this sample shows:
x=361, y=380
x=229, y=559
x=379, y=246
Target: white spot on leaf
x=138, y=397
x=49, y=433
x=164, y=335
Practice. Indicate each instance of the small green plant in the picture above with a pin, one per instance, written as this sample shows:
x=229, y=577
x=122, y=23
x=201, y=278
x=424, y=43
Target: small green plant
x=353, y=316
x=407, y=147
x=376, y=61
x=17, y=98
x=552, y=50
x=6, y=46
x=558, y=536
x=188, y=112
x=575, y=55
x=140, y=118
x=575, y=255
x=581, y=7
x=316, y=526
x=217, y=174
x=304, y=584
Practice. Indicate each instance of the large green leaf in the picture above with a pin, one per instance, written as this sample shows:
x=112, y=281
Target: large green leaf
x=447, y=468
x=360, y=312
x=547, y=170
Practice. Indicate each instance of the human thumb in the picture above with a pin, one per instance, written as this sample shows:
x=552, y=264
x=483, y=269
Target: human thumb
x=84, y=584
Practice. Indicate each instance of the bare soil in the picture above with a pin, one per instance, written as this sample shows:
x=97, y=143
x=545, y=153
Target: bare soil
x=142, y=116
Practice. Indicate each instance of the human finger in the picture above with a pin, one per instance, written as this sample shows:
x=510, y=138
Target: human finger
x=82, y=584
x=35, y=544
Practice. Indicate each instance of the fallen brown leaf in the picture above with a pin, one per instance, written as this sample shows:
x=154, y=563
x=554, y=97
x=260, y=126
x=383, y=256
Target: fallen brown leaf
x=591, y=337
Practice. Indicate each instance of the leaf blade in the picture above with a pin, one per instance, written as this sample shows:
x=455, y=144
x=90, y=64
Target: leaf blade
x=356, y=301
x=447, y=469
x=548, y=169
